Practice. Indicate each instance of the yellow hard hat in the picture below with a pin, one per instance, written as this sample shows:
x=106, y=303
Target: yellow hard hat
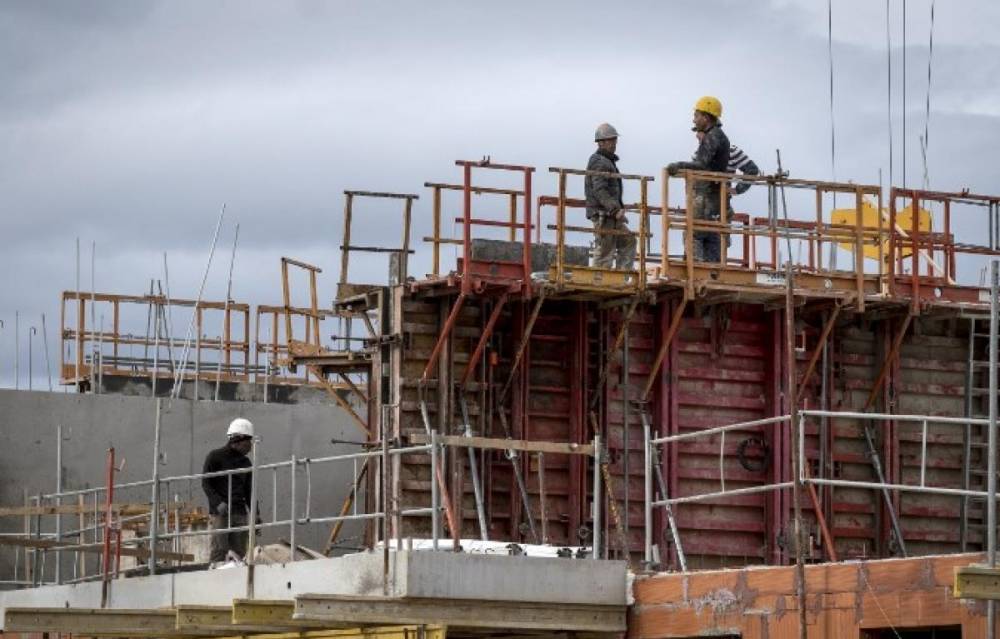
x=709, y=105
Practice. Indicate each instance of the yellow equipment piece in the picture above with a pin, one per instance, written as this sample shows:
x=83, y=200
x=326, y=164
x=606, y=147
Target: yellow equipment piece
x=870, y=220
x=709, y=105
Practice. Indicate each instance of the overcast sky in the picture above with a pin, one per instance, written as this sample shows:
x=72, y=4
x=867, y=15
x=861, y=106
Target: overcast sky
x=130, y=123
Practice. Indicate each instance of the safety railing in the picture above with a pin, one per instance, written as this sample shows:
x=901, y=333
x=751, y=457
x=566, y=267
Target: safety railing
x=476, y=272
x=563, y=274
x=437, y=239
x=768, y=241
x=657, y=494
x=93, y=344
x=399, y=259
x=935, y=259
x=159, y=526
x=924, y=420
x=151, y=542
x=654, y=473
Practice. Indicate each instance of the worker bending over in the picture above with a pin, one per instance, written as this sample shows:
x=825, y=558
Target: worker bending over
x=229, y=508
x=712, y=155
x=605, y=207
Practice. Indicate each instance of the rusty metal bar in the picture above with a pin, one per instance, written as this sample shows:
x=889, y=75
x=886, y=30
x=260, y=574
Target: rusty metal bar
x=436, y=246
x=661, y=354
x=890, y=357
x=398, y=196
x=481, y=344
x=529, y=327
x=814, y=358
x=478, y=190
x=619, y=338
x=442, y=338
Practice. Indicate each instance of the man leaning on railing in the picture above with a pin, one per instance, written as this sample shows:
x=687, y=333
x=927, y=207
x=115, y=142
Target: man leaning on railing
x=229, y=504
x=605, y=207
x=712, y=155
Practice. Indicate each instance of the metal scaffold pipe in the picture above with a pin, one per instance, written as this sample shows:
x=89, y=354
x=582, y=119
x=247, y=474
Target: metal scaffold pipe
x=991, y=464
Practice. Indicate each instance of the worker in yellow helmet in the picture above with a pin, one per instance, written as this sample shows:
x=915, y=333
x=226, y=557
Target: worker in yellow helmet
x=712, y=155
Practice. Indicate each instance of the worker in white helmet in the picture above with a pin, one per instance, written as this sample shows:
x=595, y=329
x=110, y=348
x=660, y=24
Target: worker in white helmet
x=229, y=495
x=615, y=249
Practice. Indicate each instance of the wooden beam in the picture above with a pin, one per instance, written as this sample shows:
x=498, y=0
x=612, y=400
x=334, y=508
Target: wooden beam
x=140, y=553
x=124, y=509
x=479, y=614
x=269, y=612
x=977, y=582
x=499, y=443
x=218, y=620
x=92, y=622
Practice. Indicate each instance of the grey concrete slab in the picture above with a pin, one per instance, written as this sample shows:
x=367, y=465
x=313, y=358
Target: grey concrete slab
x=508, y=578
x=416, y=575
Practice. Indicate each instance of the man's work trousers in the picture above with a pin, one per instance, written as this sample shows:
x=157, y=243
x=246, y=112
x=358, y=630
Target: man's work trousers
x=707, y=245
x=223, y=542
x=613, y=250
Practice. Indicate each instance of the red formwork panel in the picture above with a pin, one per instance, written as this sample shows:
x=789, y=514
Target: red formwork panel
x=932, y=378
x=546, y=405
x=623, y=431
x=722, y=370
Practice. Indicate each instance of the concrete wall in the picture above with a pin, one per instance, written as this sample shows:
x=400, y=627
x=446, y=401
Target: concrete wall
x=91, y=424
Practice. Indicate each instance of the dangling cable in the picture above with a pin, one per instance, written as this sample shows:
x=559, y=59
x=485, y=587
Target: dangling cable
x=904, y=95
x=829, y=46
x=833, y=136
x=888, y=61
x=927, y=111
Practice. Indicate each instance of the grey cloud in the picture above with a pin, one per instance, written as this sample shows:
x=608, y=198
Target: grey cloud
x=133, y=122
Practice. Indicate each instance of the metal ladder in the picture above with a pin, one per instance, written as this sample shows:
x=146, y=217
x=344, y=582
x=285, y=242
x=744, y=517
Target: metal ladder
x=974, y=456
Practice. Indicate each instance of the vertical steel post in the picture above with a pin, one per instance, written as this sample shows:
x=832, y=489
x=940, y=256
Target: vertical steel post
x=293, y=510
x=526, y=254
x=798, y=445
x=991, y=464
x=31, y=370
x=647, y=481
x=595, y=509
x=923, y=455
x=109, y=498
x=435, y=507
x=59, y=487
x=467, y=230
x=384, y=492
x=252, y=534
x=156, y=347
x=17, y=351
x=154, y=513
x=79, y=325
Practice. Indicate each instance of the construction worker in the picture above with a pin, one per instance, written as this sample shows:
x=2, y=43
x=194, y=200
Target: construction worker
x=604, y=204
x=739, y=162
x=229, y=495
x=712, y=155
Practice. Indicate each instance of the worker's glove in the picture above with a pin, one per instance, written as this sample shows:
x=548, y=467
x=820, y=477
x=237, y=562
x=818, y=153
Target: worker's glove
x=673, y=168
x=741, y=188
x=222, y=509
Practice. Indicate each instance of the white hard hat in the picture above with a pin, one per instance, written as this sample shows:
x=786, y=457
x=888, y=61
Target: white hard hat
x=605, y=132
x=240, y=427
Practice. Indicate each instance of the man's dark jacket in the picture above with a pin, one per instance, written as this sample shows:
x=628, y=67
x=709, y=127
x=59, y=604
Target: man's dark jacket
x=712, y=155
x=604, y=194
x=227, y=458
